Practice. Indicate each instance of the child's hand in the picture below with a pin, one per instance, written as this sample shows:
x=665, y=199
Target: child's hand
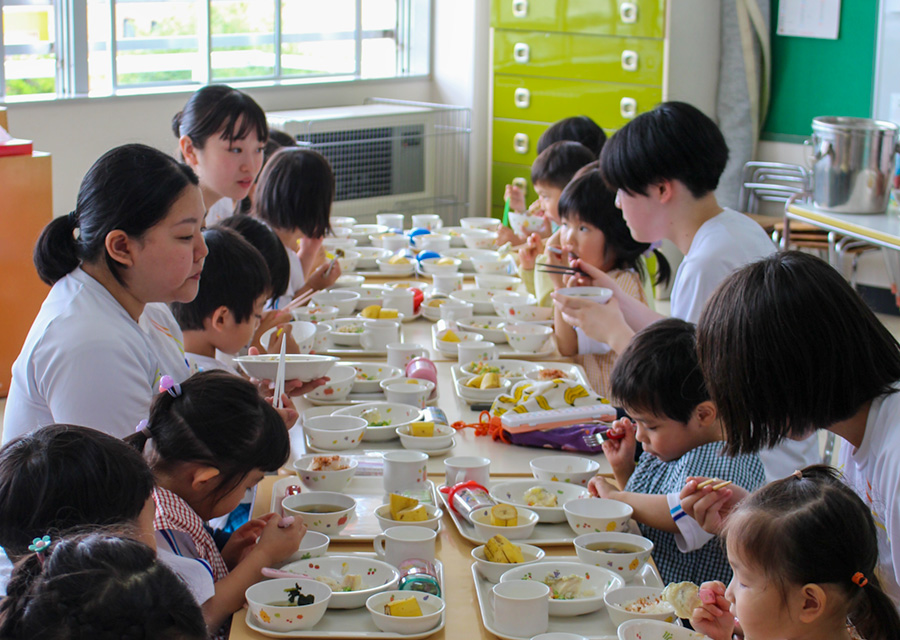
x=288, y=411
x=619, y=447
x=323, y=277
x=560, y=258
x=280, y=538
x=516, y=198
x=243, y=540
x=270, y=318
x=713, y=617
x=710, y=508
x=596, y=320
x=595, y=277
x=506, y=235
x=529, y=253
x=600, y=486
x=284, y=335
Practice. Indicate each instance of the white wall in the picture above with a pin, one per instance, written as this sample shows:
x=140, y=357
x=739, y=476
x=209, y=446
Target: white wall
x=77, y=132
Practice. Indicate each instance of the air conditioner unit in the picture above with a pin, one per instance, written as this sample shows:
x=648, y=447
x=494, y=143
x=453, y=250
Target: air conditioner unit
x=386, y=155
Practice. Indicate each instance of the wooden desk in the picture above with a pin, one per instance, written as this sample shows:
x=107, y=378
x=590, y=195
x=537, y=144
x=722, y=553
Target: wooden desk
x=463, y=613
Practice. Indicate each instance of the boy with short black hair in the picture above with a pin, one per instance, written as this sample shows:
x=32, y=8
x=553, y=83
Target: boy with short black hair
x=234, y=286
x=659, y=383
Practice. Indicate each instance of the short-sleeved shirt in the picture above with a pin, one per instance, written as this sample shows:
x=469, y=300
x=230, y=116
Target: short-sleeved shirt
x=656, y=477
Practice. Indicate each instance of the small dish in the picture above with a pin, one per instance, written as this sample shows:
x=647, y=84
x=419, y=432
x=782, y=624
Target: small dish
x=383, y=515
x=529, y=313
x=479, y=238
x=527, y=337
x=303, y=367
x=524, y=224
x=368, y=256
x=435, y=266
x=338, y=386
x=597, y=514
x=507, y=368
x=564, y=468
x=483, y=301
x=411, y=391
x=481, y=520
x=326, y=479
x=442, y=438
x=393, y=414
x=490, y=224
x=402, y=269
x=309, y=505
x=600, y=295
x=595, y=581
x=490, y=327
x=349, y=281
x=302, y=332
x=272, y=617
x=643, y=597
x=313, y=545
x=477, y=394
x=346, y=332
x=343, y=299
x=504, y=299
x=370, y=374
x=315, y=313
x=514, y=492
x=491, y=571
x=346, y=258
x=655, y=630
x=497, y=282
x=334, y=432
x=432, y=608
x=376, y=576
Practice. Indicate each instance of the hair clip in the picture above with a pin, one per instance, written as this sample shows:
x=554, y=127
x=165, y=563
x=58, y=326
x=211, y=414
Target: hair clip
x=41, y=547
x=798, y=474
x=143, y=427
x=167, y=384
x=859, y=579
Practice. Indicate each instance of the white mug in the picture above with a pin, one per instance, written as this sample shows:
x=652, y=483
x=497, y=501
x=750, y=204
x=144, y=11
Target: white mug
x=521, y=607
x=456, y=310
x=428, y=221
x=399, y=354
x=377, y=334
x=404, y=470
x=447, y=284
x=465, y=468
x=399, y=299
x=401, y=543
x=476, y=351
x=392, y=221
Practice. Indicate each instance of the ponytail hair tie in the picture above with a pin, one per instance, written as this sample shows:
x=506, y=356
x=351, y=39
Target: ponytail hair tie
x=859, y=579
x=167, y=384
x=40, y=547
x=799, y=475
x=142, y=427
x=73, y=220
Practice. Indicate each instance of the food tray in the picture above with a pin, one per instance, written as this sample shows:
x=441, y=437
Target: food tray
x=503, y=350
x=594, y=626
x=361, y=398
x=383, y=445
x=576, y=372
x=369, y=494
x=352, y=623
x=381, y=274
x=544, y=534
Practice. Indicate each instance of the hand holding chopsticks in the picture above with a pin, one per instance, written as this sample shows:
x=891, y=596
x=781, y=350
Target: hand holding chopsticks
x=279, y=376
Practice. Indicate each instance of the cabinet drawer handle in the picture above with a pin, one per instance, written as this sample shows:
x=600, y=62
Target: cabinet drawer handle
x=520, y=8
x=521, y=52
x=522, y=98
x=628, y=12
x=520, y=143
x=629, y=60
x=628, y=108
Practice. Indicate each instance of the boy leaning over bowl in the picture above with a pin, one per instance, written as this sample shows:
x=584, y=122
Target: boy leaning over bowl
x=658, y=382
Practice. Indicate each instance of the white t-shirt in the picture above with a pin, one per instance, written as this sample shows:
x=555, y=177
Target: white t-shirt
x=205, y=363
x=85, y=361
x=160, y=325
x=295, y=283
x=721, y=245
x=221, y=209
x=873, y=470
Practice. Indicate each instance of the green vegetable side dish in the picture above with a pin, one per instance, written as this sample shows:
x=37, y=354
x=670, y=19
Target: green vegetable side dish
x=297, y=598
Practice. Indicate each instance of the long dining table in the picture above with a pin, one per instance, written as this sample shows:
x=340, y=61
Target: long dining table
x=453, y=550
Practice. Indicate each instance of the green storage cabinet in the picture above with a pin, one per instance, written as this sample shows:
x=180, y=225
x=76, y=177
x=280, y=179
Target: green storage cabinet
x=637, y=18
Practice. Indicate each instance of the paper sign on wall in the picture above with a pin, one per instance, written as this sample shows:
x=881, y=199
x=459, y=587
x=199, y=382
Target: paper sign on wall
x=809, y=18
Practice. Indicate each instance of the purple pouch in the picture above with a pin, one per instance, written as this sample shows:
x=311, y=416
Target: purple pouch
x=586, y=438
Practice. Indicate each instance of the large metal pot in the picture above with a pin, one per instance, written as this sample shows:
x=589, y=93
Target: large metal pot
x=852, y=162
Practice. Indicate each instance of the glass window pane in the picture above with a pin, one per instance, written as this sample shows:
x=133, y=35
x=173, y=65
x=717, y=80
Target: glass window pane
x=29, y=49
x=243, y=44
x=379, y=58
x=379, y=14
x=156, y=42
x=318, y=38
x=98, y=34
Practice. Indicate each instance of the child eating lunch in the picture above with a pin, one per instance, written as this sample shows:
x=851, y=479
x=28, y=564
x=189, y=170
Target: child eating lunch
x=594, y=232
x=658, y=382
x=211, y=438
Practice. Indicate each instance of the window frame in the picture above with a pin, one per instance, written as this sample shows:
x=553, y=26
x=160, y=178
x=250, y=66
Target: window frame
x=72, y=48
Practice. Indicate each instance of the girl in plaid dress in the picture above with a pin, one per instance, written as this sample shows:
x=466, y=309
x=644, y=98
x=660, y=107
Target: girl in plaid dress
x=210, y=439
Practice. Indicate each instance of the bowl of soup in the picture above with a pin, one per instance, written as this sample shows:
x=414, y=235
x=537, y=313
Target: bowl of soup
x=287, y=604
x=624, y=553
x=327, y=512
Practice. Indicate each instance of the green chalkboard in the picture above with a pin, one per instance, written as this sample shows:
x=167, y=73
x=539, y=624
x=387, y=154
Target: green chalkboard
x=813, y=77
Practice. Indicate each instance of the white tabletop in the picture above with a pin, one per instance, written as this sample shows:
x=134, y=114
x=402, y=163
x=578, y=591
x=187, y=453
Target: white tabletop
x=881, y=229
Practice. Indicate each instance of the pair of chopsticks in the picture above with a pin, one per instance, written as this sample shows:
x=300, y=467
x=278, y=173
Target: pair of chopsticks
x=279, y=376
x=714, y=487
x=300, y=300
x=553, y=268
